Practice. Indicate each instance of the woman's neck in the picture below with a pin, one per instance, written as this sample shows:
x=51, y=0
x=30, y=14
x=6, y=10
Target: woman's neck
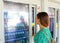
x=41, y=26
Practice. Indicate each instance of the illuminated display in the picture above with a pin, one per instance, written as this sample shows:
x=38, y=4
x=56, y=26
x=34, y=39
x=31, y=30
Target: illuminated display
x=16, y=23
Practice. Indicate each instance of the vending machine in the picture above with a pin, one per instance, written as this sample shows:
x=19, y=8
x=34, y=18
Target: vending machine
x=19, y=22
x=53, y=15
x=16, y=22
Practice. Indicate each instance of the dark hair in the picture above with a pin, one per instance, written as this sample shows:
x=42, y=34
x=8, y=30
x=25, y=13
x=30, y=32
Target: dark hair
x=44, y=18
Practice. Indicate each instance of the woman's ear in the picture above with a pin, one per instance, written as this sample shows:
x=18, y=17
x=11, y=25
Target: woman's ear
x=37, y=21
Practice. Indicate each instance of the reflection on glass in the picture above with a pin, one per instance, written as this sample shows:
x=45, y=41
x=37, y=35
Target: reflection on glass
x=51, y=25
x=16, y=25
x=33, y=21
x=52, y=19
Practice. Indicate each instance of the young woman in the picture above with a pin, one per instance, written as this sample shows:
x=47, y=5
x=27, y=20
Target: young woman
x=44, y=35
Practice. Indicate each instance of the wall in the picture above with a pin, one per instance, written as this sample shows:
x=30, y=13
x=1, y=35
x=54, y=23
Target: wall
x=26, y=1
x=54, y=5
x=30, y=2
x=44, y=5
x=59, y=28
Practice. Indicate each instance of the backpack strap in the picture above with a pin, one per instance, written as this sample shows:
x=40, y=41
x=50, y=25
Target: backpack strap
x=49, y=40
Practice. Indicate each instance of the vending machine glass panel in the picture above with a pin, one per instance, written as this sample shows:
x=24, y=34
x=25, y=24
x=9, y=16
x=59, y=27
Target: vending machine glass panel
x=16, y=22
x=52, y=19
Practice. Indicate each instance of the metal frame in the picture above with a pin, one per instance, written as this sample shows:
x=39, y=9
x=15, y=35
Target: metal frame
x=30, y=10
x=35, y=13
x=58, y=31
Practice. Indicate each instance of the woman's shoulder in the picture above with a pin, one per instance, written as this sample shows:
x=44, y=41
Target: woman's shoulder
x=41, y=36
x=47, y=31
x=38, y=34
